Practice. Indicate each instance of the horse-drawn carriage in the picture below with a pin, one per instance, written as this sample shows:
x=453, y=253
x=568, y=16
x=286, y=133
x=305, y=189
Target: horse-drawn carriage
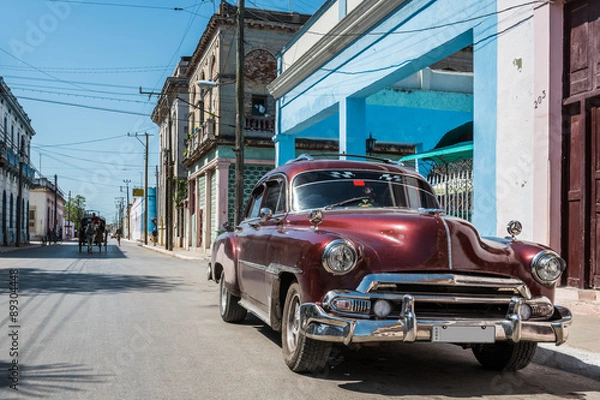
x=92, y=232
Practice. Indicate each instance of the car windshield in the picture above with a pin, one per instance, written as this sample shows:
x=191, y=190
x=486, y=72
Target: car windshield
x=334, y=189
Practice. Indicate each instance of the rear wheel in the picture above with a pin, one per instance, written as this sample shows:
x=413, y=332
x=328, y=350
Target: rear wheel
x=301, y=354
x=230, y=310
x=505, y=356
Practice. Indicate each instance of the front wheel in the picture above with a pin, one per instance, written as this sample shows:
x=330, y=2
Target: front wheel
x=229, y=307
x=301, y=354
x=505, y=356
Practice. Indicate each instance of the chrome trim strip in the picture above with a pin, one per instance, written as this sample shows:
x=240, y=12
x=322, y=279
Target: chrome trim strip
x=273, y=268
x=448, y=242
x=252, y=265
x=277, y=269
x=254, y=310
x=372, y=282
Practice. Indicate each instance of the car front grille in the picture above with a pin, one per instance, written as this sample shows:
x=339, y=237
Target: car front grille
x=448, y=295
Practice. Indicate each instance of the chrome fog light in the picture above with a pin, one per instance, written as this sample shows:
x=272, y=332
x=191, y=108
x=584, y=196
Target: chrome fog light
x=547, y=267
x=525, y=312
x=382, y=308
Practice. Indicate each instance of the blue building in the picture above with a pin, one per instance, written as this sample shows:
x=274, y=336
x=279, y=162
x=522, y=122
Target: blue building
x=137, y=215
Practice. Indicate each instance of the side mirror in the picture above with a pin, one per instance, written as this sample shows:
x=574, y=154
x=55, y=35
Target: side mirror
x=227, y=226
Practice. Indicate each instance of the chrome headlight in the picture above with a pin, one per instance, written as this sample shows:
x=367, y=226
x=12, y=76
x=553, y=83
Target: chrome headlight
x=339, y=257
x=547, y=267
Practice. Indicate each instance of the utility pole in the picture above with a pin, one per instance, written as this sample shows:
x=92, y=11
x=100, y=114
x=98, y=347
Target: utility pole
x=146, y=205
x=146, y=225
x=239, y=126
x=55, y=201
x=127, y=182
x=69, y=233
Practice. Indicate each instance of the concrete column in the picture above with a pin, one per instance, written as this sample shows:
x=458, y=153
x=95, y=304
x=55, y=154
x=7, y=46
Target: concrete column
x=285, y=148
x=353, y=130
x=222, y=172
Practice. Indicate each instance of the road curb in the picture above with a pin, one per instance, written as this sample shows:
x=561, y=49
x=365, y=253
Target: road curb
x=568, y=359
x=172, y=253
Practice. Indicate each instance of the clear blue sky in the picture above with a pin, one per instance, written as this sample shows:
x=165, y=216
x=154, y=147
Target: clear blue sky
x=96, y=54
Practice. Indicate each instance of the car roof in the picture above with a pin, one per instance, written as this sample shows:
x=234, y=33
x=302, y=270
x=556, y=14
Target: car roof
x=295, y=167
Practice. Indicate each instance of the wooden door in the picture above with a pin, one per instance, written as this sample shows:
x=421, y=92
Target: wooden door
x=595, y=191
x=581, y=151
x=576, y=234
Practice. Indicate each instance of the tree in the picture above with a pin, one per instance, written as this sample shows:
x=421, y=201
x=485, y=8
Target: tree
x=75, y=208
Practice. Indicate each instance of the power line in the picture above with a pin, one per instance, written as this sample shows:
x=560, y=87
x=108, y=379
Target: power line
x=90, y=70
x=62, y=103
x=95, y=3
x=73, y=82
x=49, y=152
x=81, y=95
x=86, y=142
x=432, y=27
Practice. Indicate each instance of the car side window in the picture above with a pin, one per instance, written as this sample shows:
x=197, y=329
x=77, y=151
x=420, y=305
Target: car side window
x=255, y=202
x=275, y=196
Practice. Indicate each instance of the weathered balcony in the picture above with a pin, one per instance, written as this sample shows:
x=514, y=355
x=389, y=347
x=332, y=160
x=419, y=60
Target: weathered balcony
x=199, y=136
x=260, y=124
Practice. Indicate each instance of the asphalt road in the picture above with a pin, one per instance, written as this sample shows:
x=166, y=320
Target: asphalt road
x=130, y=323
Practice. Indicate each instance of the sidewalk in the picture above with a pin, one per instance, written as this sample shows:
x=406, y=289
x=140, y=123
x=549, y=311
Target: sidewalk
x=178, y=253
x=581, y=353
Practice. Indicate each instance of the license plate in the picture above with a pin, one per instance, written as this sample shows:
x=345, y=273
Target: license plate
x=463, y=334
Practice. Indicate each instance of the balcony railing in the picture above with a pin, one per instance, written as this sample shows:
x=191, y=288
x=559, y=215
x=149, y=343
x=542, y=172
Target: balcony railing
x=199, y=135
x=263, y=124
x=206, y=131
x=10, y=159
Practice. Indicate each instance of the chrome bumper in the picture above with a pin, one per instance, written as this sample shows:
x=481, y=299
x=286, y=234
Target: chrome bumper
x=317, y=324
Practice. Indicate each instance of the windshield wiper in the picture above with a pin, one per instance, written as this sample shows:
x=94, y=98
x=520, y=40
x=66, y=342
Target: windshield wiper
x=347, y=201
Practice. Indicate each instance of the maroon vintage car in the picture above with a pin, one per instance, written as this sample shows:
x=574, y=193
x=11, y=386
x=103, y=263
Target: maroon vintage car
x=356, y=252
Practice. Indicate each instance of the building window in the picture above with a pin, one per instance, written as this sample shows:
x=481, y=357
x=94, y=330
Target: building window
x=259, y=106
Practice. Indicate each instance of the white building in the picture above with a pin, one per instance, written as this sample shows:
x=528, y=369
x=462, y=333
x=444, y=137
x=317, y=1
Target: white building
x=16, y=173
x=46, y=211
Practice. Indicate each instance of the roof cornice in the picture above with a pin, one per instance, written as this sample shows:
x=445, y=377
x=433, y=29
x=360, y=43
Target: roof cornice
x=360, y=20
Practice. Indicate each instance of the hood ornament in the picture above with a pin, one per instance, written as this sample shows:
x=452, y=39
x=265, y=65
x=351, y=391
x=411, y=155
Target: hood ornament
x=316, y=218
x=514, y=228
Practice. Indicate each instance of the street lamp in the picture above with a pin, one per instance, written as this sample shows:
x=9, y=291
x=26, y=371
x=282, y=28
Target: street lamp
x=371, y=144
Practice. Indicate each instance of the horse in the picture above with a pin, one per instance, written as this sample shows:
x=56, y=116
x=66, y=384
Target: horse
x=90, y=232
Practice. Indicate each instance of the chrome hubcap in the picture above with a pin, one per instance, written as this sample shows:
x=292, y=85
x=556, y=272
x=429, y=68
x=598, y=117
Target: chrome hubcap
x=293, y=325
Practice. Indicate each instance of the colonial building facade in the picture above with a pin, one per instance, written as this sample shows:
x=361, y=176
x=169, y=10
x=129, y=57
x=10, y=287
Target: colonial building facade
x=209, y=153
x=171, y=115
x=16, y=174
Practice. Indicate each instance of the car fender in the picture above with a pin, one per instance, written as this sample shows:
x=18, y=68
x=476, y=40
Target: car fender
x=224, y=258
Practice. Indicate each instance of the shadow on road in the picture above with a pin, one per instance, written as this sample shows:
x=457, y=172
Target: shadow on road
x=38, y=281
x=425, y=369
x=43, y=381
x=68, y=249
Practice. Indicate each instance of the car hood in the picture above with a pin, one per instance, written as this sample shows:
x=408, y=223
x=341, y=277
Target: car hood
x=393, y=241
